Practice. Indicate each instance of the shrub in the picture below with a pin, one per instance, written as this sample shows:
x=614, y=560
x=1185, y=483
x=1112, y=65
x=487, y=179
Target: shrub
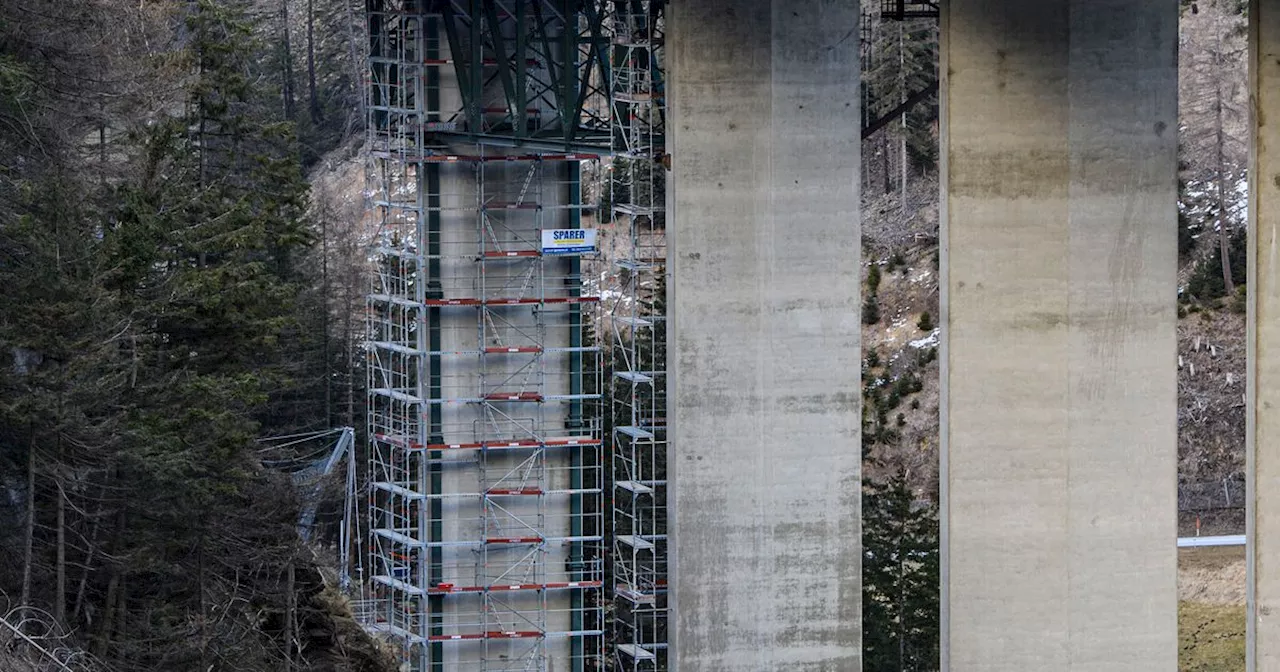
x=1240, y=302
x=870, y=310
x=1186, y=238
x=1206, y=282
x=895, y=397
x=897, y=261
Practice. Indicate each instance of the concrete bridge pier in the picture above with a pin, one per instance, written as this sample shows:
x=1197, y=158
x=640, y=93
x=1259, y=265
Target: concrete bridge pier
x=1059, y=140
x=1263, y=438
x=764, y=346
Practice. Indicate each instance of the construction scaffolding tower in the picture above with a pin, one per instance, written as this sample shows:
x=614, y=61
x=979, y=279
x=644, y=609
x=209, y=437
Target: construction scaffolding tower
x=484, y=385
x=638, y=571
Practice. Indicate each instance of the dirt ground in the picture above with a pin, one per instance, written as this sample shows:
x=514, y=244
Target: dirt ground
x=1211, y=575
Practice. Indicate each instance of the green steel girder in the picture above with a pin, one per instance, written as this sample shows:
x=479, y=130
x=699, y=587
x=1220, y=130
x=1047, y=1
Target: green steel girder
x=529, y=72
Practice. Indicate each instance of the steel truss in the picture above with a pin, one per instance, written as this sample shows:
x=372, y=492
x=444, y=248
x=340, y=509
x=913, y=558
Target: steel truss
x=533, y=72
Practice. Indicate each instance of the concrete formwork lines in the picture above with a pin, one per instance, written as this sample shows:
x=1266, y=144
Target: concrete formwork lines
x=1059, y=383
x=765, y=461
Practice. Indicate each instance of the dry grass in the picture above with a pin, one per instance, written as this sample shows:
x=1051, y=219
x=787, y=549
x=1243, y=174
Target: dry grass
x=1211, y=617
x=1210, y=637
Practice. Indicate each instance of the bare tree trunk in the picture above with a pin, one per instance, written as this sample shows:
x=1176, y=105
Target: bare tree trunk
x=29, y=533
x=94, y=526
x=60, y=590
x=290, y=623
x=354, y=47
x=204, y=601
x=884, y=161
x=122, y=608
x=109, y=611
x=902, y=99
x=288, y=61
x=113, y=603
x=1224, y=238
x=324, y=317
x=314, y=99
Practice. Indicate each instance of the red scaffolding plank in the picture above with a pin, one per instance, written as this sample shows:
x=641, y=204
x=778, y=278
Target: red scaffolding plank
x=529, y=349
x=493, y=634
x=501, y=254
x=514, y=491
x=511, y=302
x=527, y=443
x=513, y=396
x=513, y=540
x=472, y=158
x=449, y=589
x=572, y=442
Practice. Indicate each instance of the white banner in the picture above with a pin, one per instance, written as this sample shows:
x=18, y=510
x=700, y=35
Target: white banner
x=568, y=241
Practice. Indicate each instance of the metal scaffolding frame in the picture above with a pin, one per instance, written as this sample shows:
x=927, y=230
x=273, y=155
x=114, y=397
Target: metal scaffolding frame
x=900, y=10
x=486, y=469
x=638, y=571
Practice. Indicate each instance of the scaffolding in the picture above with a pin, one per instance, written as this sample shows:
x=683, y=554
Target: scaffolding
x=638, y=571
x=901, y=10
x=486, y=466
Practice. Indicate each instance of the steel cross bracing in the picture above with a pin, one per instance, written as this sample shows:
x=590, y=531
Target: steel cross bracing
x=484, y=396
x=636, y=184
x=527, y=73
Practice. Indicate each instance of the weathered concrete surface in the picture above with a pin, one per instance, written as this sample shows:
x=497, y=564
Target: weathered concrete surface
x=1263, y=438
x=1059, y=389
x=764, y=251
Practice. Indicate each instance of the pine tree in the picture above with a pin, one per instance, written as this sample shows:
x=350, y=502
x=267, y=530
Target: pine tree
x=207, y=245
x=900, y=598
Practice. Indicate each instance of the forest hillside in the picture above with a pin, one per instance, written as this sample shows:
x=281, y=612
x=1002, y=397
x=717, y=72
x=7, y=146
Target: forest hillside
x=168, y=305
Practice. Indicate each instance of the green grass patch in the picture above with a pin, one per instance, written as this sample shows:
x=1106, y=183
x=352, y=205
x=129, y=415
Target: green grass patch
x=1210, y=637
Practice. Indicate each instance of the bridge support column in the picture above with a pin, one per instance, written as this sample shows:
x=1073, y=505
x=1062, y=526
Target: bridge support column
x=1263, y=438
x=765, y=335
x=1059, y=389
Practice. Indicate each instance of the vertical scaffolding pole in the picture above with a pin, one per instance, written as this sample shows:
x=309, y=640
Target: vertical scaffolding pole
x=637, y=198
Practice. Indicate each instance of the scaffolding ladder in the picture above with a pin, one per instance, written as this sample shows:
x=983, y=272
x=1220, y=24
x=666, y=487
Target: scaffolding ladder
x=638, y=569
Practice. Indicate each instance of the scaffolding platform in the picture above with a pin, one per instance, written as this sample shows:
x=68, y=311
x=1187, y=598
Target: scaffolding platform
x=637, y=652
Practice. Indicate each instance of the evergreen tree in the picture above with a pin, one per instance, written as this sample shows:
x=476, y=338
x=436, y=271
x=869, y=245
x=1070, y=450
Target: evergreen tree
x=900, y=579
x=206, y=246
x=160, y=314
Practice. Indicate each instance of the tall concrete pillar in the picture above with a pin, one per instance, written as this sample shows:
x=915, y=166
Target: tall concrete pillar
x=764, y=464
x=1059, y=358
x=1263, y=438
